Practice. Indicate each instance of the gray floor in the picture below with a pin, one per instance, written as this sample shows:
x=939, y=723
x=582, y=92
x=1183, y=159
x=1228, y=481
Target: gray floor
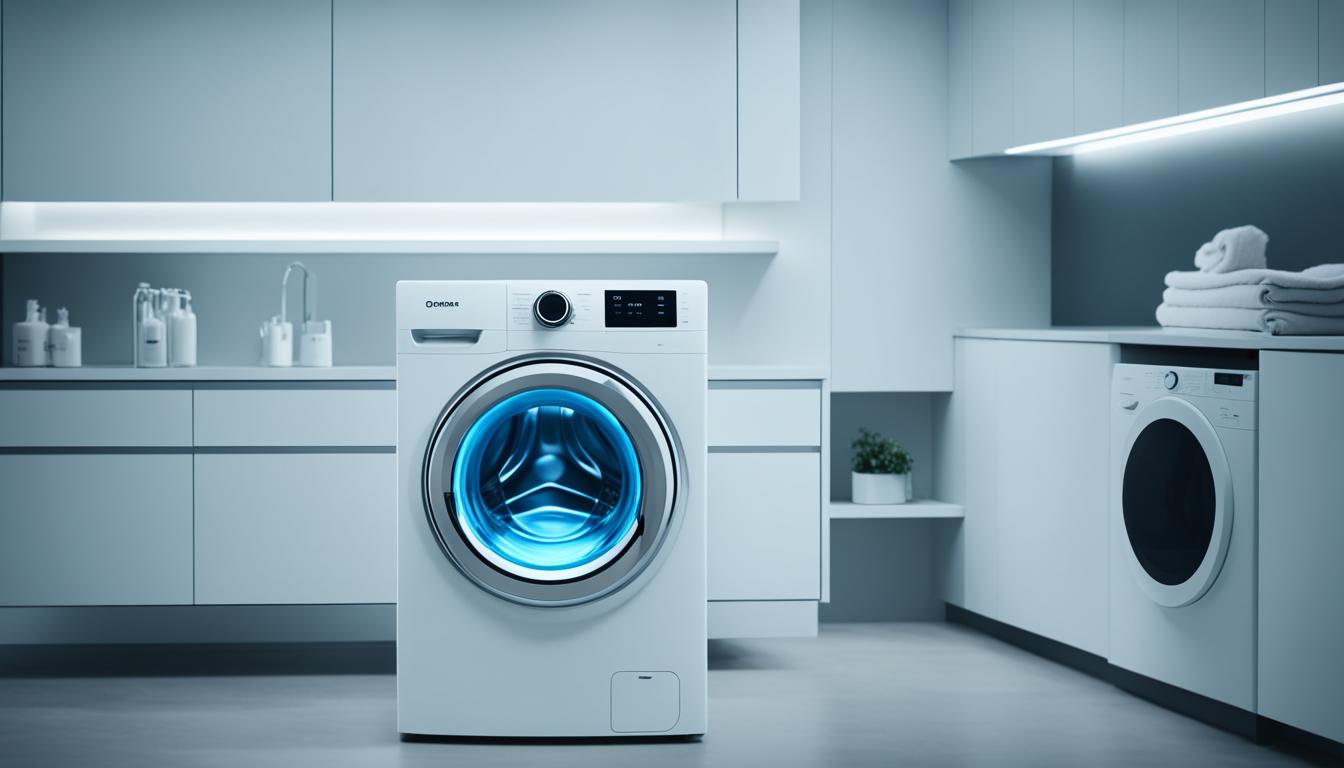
x=875, y=694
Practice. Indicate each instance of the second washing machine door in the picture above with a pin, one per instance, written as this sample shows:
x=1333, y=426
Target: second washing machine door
x=551, y=481
x=1176, y=500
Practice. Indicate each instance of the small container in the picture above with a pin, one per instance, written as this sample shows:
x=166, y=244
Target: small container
x=315, y=344
x=66, y=343
x=30, y=337
x=277, y=343
x=151, y=339
x=181, y=331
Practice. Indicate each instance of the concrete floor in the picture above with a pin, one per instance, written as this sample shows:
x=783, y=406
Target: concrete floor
x=874, y=694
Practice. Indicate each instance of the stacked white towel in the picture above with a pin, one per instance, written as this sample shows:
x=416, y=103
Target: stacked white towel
x=1233, y=249
x=1269, y=300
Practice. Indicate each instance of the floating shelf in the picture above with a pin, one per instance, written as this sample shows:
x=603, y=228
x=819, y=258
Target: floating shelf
x=506, y=247
x=911, y=510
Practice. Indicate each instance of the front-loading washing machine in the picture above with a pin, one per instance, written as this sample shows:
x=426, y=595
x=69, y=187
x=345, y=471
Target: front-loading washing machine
x=551, y=496
x=1183, y=528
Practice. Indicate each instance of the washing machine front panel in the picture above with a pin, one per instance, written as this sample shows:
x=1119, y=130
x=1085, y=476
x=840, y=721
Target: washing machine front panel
x=551, y=481
x=1176, y=502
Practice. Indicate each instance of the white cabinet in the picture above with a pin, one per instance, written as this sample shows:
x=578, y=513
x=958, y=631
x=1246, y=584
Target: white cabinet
x=95, y=418
x=1290, y=45
x=1032, y=550
x=1301, y=572
x=535, y=101
x=1152, y=62
x=295, y=528
x=1098, y=65
x=991, y=76
x=764, y=526
x=167, y=100
x=295, y=417
x=1222, y=52
x=1043, y=70
x=95, y=529
x=765, y=535
x=769, y=100
x=1330, y=41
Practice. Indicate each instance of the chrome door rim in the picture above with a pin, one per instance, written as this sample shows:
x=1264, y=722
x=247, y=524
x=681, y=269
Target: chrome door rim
x=1199, y=583
x=655, y=446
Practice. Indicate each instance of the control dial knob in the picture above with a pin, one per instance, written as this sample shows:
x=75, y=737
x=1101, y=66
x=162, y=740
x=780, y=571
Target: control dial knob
x=1170, y=379
x=552, y=309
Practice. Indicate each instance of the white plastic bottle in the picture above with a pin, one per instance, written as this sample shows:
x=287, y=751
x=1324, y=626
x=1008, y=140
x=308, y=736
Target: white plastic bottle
x=65, y=342
x=151, y=339
x=30, y=337
x=181, y=332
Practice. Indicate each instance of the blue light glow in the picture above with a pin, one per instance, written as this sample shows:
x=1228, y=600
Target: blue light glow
x=548, y=479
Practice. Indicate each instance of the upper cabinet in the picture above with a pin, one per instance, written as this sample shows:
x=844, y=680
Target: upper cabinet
x=401, y=100
x=535, y=101
x=1071, y=67
x=167, y=100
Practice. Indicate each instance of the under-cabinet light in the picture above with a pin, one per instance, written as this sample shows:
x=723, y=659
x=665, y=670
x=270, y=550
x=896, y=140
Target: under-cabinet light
x=1217, y=117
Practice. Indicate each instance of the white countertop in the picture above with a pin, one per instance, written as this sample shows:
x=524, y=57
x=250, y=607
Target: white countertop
x=1157, y=336
x=336, y=373
x=202, y=373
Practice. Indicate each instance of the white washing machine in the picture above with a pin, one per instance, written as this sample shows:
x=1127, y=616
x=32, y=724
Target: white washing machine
x=1183, y=528
x=551, y=530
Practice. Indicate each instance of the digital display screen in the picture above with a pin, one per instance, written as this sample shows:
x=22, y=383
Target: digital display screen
x=641, y=309
x=1228, y=379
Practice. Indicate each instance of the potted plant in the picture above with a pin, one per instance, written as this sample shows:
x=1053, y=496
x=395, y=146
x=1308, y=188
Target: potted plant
x=881, y=468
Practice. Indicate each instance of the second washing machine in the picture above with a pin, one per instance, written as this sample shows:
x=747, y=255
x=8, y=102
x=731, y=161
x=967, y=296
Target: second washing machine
x=1183, y=528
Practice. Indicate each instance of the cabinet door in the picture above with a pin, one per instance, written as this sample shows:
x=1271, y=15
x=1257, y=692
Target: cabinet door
x=93, y=529
x=1330, y=42
x=535, y=101
x=991, y=76
x=167, y=100
x=1051, y=479
x=972, y=581
x=1098, y=65
x=1301, y=681
x=1290, y=45
x=1151, y=59
x=1042, y=70
x=296, y=528
x=764, y=526
x=1222, y=52
x=769, y=100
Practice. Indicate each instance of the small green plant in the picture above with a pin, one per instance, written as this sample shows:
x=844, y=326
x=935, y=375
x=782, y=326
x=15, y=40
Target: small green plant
x=876, y=455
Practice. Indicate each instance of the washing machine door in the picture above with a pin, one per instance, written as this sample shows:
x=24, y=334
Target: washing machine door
x=552, y=481
x=1177, y=502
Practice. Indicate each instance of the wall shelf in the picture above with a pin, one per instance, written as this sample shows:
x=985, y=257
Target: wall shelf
x=917, y=509
x=369, y=246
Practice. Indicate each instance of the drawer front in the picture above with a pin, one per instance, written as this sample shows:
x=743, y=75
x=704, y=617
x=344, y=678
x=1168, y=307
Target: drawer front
x=296, y=528
x=743, y=416
x=95, y=418
x=112, y=529
x=764, y=526
x=296, y=417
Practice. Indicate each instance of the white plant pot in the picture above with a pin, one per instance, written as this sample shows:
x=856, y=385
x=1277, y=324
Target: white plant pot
x=879, y=489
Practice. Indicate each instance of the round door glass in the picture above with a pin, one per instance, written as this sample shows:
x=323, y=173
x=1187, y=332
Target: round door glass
x=549, y=480
x=1169, y=501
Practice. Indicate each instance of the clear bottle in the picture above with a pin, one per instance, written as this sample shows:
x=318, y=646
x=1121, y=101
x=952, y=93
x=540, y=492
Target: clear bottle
x=30, y=337
x=151, y=337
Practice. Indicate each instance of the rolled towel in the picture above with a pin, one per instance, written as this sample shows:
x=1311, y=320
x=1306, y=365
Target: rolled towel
x=1233, y=249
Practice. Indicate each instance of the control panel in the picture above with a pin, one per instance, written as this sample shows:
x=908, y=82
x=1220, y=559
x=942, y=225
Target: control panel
x=581, y=306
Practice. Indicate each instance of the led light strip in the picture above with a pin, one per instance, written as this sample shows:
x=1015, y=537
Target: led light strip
x=1217, y=117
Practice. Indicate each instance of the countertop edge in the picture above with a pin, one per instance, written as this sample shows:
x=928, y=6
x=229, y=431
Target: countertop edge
x=1167, y=337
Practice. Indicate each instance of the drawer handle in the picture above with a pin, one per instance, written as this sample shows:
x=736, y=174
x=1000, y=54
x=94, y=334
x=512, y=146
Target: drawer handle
x=445, y=335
